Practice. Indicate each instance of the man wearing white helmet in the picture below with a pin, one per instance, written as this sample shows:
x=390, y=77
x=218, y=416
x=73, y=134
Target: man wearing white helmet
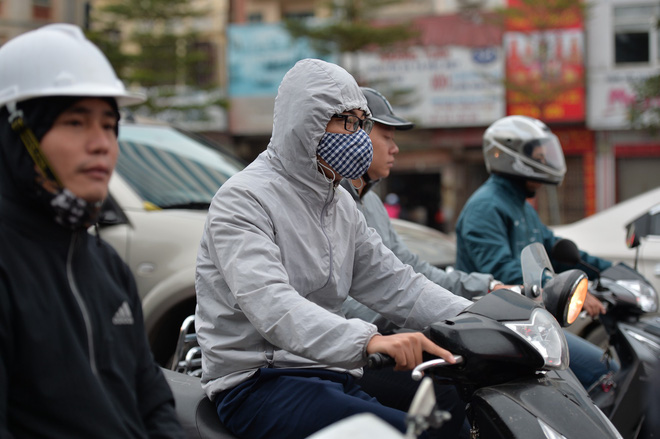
x=496, y=223
x=74, y=357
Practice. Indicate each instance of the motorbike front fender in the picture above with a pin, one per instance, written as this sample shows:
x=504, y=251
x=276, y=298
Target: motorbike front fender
x=518, y=409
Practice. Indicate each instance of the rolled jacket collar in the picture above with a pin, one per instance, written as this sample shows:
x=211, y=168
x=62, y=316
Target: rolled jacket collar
x=513, y=187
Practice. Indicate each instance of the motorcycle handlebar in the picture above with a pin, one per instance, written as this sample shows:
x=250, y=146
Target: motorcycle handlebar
x=379, y=361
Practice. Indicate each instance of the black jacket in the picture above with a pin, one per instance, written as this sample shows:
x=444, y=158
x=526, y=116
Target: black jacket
x=74, y=358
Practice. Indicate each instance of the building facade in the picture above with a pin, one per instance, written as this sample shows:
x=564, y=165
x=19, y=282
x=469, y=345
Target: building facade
x=453, y=80
x=623, y=48
x=19, y=16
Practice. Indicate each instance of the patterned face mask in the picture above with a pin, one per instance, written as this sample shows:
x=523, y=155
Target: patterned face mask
x=348, y=154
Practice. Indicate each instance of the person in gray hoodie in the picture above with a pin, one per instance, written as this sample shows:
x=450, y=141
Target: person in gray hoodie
x=283, y=246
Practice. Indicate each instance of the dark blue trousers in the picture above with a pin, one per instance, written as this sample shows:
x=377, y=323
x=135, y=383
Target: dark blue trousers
x=585, y=360
x=294, y=403
x=397, y=389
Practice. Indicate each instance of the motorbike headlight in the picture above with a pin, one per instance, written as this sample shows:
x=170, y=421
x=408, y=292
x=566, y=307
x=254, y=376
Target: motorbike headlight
x=546, y=336
x=564, y=295
x=645, y=295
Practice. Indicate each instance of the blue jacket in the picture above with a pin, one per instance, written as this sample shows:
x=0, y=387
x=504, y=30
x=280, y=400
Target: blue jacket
x=496, y=224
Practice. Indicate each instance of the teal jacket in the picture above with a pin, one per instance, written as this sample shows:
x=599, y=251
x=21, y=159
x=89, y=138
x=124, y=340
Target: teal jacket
x=496, y=224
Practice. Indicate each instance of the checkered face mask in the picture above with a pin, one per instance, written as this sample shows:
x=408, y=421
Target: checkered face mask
x=348, y=154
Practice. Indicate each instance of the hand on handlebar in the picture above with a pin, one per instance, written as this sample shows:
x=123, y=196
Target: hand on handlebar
x=593, y=306
x=406, y=348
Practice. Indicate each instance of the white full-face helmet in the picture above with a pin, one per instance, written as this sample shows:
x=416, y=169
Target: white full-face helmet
x=525, y=148
x=57, y=60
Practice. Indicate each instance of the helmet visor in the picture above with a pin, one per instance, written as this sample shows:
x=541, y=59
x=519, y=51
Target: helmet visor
x=545, y=154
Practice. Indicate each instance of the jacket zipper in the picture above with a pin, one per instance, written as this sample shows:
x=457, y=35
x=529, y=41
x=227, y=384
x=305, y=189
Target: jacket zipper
x=81, y=305
x=331, y=194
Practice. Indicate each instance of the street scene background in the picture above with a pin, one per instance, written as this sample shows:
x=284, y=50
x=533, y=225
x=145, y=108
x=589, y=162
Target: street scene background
x=451, y=66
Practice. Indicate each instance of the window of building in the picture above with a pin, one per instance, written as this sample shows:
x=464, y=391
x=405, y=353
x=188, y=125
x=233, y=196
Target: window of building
x=636, y=36
x=255, y=17
x=41, y=9
x=297, y=15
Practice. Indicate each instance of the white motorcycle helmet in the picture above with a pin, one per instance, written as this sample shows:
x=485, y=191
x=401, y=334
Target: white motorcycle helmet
x=57, y=60
x=524, y=147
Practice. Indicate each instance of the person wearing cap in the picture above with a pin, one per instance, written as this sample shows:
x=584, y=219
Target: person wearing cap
x=74, y=356
x=380, y=383
x=385, y=148
x=282, y=247
x=382, y=135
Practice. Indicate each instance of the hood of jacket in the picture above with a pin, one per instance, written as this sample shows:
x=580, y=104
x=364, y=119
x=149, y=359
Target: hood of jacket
x=310, y=93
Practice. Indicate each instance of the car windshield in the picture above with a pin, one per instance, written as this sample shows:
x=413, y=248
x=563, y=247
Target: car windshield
x=170, y=168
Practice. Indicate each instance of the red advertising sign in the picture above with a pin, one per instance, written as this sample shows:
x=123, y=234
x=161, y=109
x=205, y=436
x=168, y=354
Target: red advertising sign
x=545, y=63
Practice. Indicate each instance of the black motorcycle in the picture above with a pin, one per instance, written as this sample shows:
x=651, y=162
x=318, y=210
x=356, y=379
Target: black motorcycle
x=512, y=369
x=632, y=336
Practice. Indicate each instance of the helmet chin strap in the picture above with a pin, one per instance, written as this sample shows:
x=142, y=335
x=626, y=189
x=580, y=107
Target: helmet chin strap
x=30, y=141
x=14, y=112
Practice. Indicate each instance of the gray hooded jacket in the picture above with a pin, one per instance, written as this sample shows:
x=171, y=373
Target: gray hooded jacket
x=283, y=247
x=468, y=285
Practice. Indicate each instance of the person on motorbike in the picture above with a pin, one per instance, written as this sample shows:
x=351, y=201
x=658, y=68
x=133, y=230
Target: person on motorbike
x=74, y=356
x=497, y=222
x=283, y=246
x=382, y=136
x=380, y=383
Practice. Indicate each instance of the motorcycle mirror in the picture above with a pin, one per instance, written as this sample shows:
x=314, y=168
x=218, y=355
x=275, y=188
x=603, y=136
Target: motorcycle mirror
x=564, y=295
x=642, y=226
x=566, y=251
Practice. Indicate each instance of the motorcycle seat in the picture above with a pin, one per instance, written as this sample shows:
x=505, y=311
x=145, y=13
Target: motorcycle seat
x=195, y=411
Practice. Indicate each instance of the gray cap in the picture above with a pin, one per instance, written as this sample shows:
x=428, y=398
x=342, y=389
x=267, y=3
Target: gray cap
x=381, y=110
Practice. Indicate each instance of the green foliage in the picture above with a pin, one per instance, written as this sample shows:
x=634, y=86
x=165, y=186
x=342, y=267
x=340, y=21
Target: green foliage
x=152, y=10
x=644, y=111
x=150, y=47
x=542, y=14
x=351, y=29
x=156, y=50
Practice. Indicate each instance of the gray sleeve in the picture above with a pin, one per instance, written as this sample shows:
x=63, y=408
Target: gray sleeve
x=463, y=284
x=384, y=284
x=353, y=309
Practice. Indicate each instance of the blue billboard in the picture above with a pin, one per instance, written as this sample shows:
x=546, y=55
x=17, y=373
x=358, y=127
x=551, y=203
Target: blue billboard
x=259, y=55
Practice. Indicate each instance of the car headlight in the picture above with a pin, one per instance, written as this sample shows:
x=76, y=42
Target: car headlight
x=645, y=295
x=546, y=336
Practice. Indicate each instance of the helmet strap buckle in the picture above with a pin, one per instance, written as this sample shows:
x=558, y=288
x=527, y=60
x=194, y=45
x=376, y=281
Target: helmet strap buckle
x=14, y=113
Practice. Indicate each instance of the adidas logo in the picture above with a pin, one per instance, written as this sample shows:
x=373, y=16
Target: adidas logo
x=123, y=316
